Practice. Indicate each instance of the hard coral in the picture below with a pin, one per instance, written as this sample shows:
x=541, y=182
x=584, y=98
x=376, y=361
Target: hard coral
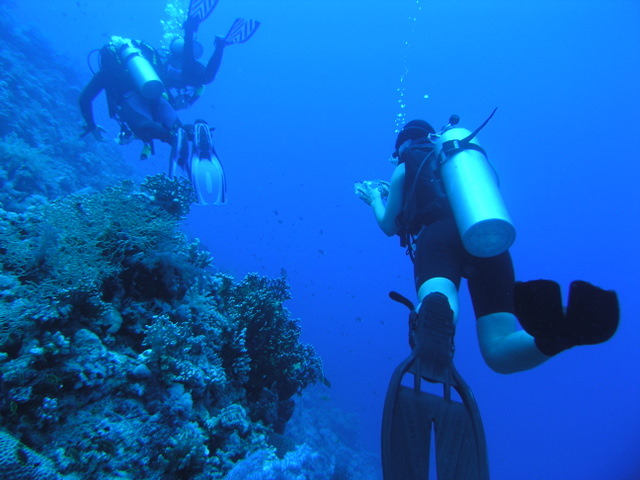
x=303, y=463
x=113, y=314
x=175, y=195
x=123, y=354
x=39, y=124
x=18, y=462
x=280, y=365
x=75, y=246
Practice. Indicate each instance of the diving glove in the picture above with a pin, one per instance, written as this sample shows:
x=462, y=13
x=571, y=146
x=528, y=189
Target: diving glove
x=592, y=314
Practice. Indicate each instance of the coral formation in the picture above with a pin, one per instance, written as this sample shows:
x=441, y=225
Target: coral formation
x=18, y=462
x=120, y=325
x=39, y=125
x=124, y=354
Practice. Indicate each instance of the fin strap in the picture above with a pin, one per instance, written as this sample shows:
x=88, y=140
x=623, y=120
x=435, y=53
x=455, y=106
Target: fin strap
x=402, y=299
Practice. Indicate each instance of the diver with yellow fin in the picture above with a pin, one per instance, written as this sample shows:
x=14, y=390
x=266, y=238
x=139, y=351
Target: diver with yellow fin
x=444, y=203
x=136, y=98
x=185, y=78
x=135, y=94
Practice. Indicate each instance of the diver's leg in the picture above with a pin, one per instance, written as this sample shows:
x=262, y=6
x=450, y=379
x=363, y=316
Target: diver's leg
x=138, y=113
x=591, y=317
x=504, y=346
x=440, y=285
x=438, y=262
x=165, y=114
x=131, y=116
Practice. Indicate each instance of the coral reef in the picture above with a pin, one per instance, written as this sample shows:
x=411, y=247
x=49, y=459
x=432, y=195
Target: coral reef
x=124, y=354
x=40, y=124
x=319, y=443
x=174, y=195
x=21, y=463
x=117, y=333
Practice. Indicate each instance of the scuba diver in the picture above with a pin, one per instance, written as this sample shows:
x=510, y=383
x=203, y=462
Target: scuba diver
x=127, y=74
x=182, y=73
x=136, y=98
x=443, y=202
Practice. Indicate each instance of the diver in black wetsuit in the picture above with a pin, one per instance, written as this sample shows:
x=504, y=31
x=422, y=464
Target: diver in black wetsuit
x=441, y=261
x=137, y=98
x=134, y=94
x=182, y=73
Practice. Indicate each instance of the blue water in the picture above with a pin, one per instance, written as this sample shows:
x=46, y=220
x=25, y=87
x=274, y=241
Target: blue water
x=309, y=106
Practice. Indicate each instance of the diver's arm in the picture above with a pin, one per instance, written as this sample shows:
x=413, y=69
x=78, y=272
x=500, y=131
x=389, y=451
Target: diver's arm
x=386, y=214
x=215, y=60
x=190, y=27
x=91, y=91
x=93, y=88
x=191, y=68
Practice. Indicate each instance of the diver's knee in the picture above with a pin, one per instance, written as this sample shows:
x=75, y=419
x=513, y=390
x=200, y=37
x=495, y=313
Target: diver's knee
x=492, y=330
x=504, y=346
x=494, y=327
x=498, y=364
x=440, y=285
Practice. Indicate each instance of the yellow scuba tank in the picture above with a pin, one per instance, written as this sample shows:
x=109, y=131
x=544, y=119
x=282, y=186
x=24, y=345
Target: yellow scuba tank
x=142, y=72
x=471, y=185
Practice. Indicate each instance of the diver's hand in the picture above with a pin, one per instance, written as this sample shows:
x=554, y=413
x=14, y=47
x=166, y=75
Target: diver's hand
x=191, y=24
x=96, y=130
x=221, y=42
x=370, y=190
x=363, y=192
x=383, y=187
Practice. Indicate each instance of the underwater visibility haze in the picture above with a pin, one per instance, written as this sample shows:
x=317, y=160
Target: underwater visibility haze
x=147, y=338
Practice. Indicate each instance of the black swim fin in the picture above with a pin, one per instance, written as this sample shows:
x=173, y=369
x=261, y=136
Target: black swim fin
x=241, y=30
x=591, y=317
x=411, y=415
x=593, y=314
x=538, y=306
x=199, y=10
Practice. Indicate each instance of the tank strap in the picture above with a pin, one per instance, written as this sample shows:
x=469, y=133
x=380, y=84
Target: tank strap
x=452, y=147
x=425, y=161
x=152, y=53
x=407, y=240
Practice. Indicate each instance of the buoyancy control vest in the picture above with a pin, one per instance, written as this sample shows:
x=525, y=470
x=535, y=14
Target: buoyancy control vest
x=424, y=200
x=449, y=174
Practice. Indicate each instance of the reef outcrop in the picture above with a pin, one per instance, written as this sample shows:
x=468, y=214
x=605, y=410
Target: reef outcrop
x=124, y=353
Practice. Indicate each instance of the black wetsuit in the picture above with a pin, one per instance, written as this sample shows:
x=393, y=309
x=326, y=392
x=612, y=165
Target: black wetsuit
x=439, y=251
x=148, y=119
x=185, y=80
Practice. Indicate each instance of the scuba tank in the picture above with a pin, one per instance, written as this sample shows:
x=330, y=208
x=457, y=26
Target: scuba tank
x=142, y=72
x=471, y=184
